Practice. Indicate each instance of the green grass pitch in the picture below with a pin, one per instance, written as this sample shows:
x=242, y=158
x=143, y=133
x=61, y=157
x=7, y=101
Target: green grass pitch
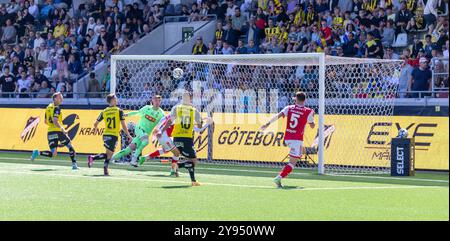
x=50, y=190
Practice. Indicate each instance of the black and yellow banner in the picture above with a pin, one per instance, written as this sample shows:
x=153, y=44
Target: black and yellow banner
x=350, y=140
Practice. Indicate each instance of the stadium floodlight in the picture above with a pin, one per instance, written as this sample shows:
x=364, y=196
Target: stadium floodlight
x=242, y=91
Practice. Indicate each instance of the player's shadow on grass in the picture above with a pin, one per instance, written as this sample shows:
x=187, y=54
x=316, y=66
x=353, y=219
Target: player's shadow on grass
x=156, y=175
x=132, y=169
x=43, y=170
x=176, y=187
x=291, y=187
x=95, y=175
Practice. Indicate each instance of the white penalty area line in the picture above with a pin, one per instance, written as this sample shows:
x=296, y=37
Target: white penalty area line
x=222, y=184
x=254, y=171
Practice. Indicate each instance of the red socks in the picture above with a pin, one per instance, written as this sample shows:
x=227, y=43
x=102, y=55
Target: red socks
x=286, y=170
x=175, y=160
x=156, y=153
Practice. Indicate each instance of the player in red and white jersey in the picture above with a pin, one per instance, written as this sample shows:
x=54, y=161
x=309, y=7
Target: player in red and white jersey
x=297, y=117
x=167, y=144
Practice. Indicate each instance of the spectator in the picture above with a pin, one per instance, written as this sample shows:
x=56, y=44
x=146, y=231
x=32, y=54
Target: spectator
x=390, y=54
x=38, y=41
x=230, y=35
x=218, y=34
x=420, y=79
x=39, y=77
x=61, y=71
x=106, y=80
x=211, y=48
x=274, y=46
x=24, y=84
x=252, y=48
x=195, y=12
x=28, y=59
x=124, y=89
x=430, y=14
x=231, y=7
x=326, y=31
x=8, y=83
x=443, y=37
x=60, y=29
x=238, y=22
x=340, y=51
x=35, y=89
x=9, y=33
x=445, y=53
x=428, y=46
x=93, y=86
x=75, y=68
x=43, y=56
x=227, y=48
x=33, y=9
x=350, y=48
x=199, y=47
x=13, y=7
x=241, y=49
x=271, y=30
x=44, y=91
x=402, y=17
x=373, y=49
x=388, y=34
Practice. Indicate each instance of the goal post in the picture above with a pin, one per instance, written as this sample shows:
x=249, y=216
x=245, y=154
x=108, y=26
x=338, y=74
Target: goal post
x=241, y=92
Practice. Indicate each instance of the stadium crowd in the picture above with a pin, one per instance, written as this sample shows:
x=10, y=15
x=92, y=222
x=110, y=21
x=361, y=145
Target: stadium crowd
x=47, y=44
x=344, y=28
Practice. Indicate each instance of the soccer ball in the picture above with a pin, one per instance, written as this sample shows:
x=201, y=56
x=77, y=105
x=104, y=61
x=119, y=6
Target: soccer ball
x=130, y=125
x=402, y=133
x=178, y=73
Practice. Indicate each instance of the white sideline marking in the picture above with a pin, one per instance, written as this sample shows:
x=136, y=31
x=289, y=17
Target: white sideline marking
x=219, y=184
x=257, y=171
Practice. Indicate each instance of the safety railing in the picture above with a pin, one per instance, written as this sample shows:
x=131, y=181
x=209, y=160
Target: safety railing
x=439, y=74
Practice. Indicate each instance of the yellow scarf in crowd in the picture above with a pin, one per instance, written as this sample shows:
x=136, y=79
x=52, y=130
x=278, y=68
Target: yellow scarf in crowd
x=388, y=3
x=299, y=18
x=198, y=49
x=277, y=4
x=410, y=4
x=219, y=34
x=370, y=5
x=310, y=17
x=262, y=4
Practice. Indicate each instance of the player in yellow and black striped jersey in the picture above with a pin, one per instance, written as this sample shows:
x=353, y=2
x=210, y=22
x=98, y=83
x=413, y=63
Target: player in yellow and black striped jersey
x=114, y=119
x=56, y=133
x=184, y=116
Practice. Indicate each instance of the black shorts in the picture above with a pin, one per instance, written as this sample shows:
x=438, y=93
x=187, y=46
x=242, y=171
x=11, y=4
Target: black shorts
x=57, y=137
x=186, y=146
x=110, y=142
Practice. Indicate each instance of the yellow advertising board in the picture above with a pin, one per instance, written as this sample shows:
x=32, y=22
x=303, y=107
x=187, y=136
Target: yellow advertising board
x=350, y=140
x=24, y=129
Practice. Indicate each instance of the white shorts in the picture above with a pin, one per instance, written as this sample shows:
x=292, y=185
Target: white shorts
x=166, y=142
x=296, y=148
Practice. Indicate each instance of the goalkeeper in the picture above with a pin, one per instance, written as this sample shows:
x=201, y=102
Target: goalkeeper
x=150, y=115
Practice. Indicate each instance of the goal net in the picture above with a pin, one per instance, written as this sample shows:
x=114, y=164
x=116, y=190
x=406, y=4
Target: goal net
x=353, y=100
